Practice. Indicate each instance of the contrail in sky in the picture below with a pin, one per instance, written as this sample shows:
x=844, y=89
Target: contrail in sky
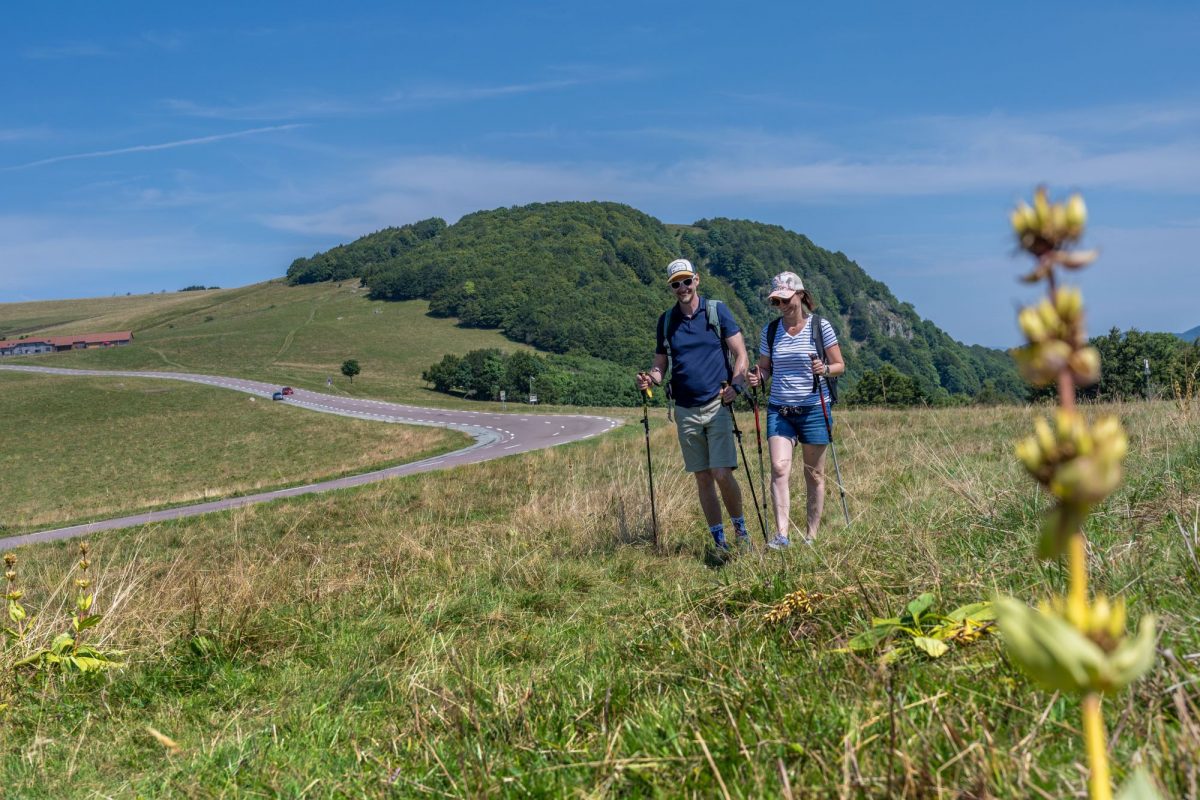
x=141, y=148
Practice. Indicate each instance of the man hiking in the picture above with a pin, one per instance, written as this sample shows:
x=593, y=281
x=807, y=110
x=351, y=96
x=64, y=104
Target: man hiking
x=701, y=346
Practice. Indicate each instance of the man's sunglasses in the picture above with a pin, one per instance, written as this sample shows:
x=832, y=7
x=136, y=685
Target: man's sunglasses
x=684, y=282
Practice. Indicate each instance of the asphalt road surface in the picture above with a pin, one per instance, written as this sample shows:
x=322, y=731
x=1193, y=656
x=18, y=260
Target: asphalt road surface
x=496, y=436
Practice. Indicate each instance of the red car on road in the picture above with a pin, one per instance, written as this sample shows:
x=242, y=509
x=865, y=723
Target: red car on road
x=287, y=391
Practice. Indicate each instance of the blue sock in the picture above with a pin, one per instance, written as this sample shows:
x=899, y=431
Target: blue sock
x=718, y=534
x=739, y=526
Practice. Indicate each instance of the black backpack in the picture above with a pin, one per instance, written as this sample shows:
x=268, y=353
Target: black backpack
x=818, y=343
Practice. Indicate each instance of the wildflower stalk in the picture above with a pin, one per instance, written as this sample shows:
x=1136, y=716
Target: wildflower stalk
x=1099, y=783
x=1073, y=643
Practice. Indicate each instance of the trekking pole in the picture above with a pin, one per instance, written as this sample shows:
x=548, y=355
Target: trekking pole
x=762, y=470
x=749, y=479
x=646, y=395
x=829, y=430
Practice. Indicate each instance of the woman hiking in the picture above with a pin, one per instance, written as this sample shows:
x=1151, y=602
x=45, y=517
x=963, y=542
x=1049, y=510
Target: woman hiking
x=788, y=351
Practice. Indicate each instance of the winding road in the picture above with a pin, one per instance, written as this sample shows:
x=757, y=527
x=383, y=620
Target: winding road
x=496, y=436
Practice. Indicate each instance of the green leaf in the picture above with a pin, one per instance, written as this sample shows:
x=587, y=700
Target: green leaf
x=88, y=622
x=1139, y=787
x=92, y=664
x=62, y=643
x=870, y=638
x=16, y=612
x=920, y=605
x=980, y=612
x=933, y=647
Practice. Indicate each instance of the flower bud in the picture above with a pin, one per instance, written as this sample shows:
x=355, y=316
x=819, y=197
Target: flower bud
x=82, y=583
x=1041, y=362
x=1031, y=324
x=1085, y=365
x=1058, y=222
x=9, y=560
x=83, y=548
x=1041, y=207
x=12, y=576
x=1076, y=215
x=1068, y=302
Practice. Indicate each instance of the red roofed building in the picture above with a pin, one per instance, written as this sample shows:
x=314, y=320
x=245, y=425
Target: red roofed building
x=32, y=345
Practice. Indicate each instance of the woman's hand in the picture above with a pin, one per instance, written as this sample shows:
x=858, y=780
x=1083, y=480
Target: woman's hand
x=754, y=377
x=819, y=366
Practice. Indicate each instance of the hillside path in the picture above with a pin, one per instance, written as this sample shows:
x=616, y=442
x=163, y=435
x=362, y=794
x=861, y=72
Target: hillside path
x=496, y=435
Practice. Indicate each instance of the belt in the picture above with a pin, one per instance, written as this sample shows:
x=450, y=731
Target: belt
x=788, y=411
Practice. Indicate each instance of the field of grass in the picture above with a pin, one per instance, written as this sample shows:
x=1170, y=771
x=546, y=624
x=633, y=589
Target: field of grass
x=504, y=630
x=81, y=448
x=295, y=335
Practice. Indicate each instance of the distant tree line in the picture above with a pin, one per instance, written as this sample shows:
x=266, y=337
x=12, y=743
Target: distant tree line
x=197, y=288
x=566, y=380
x=1124, y=357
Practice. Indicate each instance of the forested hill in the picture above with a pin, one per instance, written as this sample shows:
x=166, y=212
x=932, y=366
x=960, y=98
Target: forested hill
x=589, y=278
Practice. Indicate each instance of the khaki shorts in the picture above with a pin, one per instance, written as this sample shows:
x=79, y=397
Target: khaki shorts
x=706, y=437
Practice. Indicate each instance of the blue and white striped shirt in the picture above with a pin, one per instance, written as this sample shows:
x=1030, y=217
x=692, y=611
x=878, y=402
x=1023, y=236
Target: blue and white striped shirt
x=791, y=364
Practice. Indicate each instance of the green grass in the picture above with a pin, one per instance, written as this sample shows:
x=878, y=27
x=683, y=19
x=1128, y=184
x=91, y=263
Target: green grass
x=504, y=630
x=74, y=449
x=288, y=335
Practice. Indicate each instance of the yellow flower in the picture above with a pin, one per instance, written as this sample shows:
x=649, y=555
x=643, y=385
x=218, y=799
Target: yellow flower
x=9, y=560
x=1092, y=656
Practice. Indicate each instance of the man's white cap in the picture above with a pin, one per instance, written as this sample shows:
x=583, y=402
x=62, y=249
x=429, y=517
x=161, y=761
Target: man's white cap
x=680, y=268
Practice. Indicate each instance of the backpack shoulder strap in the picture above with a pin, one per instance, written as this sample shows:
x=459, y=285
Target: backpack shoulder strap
x=819, y=343
x=712, y=310
x=818, y=336
x=664, y=322
x=772, y=332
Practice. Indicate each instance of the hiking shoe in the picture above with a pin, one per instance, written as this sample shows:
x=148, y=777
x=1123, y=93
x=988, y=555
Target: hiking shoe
x=719, y=542
x=743, y=543
x=779, y=542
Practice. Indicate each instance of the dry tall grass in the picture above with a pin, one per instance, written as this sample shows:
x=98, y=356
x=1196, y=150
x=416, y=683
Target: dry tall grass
x=506, y=629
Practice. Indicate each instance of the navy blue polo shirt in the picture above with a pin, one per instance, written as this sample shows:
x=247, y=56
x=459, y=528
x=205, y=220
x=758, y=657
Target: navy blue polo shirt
x=697, y=360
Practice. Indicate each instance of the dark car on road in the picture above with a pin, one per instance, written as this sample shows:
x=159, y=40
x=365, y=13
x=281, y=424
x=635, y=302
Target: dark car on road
x=277, y=396
x=287, y=391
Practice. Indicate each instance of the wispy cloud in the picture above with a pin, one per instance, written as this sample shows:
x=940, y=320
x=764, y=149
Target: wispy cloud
x=468, y=93
x=268, y=110
x=21, y=134
x=164, y=40
x=66, y=51
x=143, y=148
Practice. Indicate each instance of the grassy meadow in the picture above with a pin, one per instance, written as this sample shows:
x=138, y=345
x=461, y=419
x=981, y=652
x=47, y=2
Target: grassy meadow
x=83, y=448
x=296, y=335
x=505, y=630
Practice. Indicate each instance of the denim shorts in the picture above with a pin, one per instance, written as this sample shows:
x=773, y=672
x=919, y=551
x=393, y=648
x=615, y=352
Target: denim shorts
x=805, y=424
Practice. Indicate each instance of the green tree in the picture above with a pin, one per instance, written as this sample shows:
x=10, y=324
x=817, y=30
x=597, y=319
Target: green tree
x=886, y=386
x=350, y=368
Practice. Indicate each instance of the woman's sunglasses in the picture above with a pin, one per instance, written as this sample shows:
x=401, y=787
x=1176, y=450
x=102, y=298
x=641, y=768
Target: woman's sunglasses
x=684, y=282
x=775, y=301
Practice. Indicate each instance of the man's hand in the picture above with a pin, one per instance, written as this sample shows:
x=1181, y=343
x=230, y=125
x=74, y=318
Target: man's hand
x=643, y=381
x=728, y=394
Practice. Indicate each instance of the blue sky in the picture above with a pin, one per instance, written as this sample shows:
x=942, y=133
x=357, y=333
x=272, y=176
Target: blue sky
x=148, y=146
